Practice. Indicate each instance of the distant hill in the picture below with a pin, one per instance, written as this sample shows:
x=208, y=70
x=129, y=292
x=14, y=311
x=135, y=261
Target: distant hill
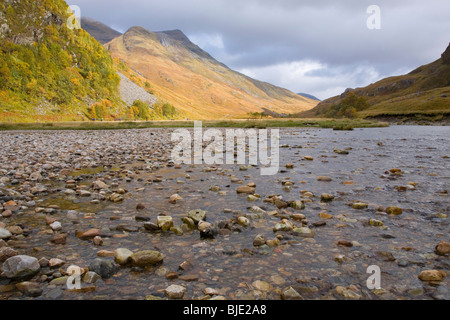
x=425, y=90
x=49, y=72
x=309, y=96
x=194, y=82
x=98, y=30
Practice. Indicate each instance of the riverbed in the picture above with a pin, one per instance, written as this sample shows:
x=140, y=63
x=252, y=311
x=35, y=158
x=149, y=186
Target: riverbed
x=332, y=196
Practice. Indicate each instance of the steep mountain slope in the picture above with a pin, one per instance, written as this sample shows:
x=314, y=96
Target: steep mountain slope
x=101, y=32
x=425, y=90
x=194, y=82
x=49, y=71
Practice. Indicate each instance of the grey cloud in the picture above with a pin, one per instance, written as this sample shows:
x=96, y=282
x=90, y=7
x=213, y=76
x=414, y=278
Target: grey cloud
x=260, y=33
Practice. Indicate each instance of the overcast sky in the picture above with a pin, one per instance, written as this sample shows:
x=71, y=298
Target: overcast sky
x=320, y=47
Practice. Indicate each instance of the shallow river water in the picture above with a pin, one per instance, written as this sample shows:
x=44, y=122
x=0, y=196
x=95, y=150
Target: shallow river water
x=338, y=254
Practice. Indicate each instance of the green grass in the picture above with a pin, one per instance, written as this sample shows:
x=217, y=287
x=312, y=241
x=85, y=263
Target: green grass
x=346, y=124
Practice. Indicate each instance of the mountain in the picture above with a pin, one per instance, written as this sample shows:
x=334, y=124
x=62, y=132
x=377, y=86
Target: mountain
x=423, y=91
x=309, y=96
x=194, y=82
x=101, y=32
x=48, y=71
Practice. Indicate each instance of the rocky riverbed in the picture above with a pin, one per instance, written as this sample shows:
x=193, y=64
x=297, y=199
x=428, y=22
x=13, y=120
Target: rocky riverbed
x=108, y=215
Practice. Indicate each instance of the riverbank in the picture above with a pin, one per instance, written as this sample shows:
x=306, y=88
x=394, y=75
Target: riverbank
x=245, y=123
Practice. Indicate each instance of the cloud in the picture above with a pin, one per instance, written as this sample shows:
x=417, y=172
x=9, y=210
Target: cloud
x=314, y=77
x=260, y=35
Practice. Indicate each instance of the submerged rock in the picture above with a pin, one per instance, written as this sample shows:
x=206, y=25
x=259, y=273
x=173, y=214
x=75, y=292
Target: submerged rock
x=21, y=266
x=443, y=248
x=291, y=294
x=360, y=205
x=104, y=268
x=197, y=215
x=146, y=258
x=432, y=275
x=396, y=211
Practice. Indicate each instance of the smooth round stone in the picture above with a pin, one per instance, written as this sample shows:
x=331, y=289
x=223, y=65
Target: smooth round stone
x=175, y=291
x=146, y=258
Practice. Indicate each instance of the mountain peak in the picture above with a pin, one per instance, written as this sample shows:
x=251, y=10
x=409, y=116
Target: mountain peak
x=99, y=30
x=138, y=30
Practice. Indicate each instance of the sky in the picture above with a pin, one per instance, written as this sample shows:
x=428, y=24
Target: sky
x=319, y=47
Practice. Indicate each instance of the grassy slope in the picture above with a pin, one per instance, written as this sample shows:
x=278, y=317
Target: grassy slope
x=197, y=84
x=419, y=92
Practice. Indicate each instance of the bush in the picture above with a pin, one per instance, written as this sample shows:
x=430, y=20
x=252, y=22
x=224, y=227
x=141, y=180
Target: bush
x=140, y=109
x=348, y=107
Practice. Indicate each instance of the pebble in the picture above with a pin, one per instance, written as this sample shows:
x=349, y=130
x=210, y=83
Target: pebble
x=31, y=289
x=443, y=248
x=326, y=197
x=175, y=291
x=56, y=226
x=360, y=205
x=259, y=240
x=432, y=275
x=262, y=286
x=6, y=253
x=211, y=291
x=298, y=205
x=164, y=222
x=7, y=213
x=243, y=221
x=88, y=234
x=347, y=293
x=59, y=238
x=291, y=294
x=304, y=232
x=55, y=262
x=146, y=258
x=394, y=211
x=98, y=241
x=5, y=234
x=325, y=215
x=283, y=225
x=245, y=189
x=104, y=268
x=91, y=277
x=197, y=215
x=174, y=198
x=122, y=256
x=105, y=253
x=97, y=185
x=376, y=223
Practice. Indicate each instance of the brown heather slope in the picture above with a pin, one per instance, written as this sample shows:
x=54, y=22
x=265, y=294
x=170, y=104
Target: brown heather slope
x=194, y=82
x=425, y=90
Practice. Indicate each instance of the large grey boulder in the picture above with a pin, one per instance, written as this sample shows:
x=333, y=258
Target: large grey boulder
x=21, y=266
